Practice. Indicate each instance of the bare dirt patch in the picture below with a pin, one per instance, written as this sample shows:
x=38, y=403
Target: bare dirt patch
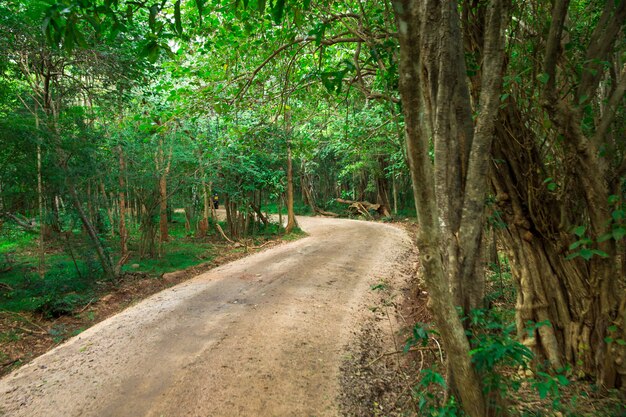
x=377, y=376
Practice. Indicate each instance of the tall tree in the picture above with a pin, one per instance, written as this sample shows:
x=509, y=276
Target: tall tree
x=449, y=194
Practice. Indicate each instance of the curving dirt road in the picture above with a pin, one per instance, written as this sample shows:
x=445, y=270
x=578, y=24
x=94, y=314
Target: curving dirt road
x=262, y=336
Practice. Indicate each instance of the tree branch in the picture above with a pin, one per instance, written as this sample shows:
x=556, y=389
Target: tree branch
x=611, y=109
x=559, y=11
x=601, y=43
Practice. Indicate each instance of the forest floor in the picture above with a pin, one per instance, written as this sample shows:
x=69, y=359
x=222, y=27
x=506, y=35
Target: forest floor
x=280, y=332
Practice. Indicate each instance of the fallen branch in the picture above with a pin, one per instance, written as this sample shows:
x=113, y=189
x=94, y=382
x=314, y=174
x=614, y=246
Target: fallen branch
x=325, y=213
x=41, y=333
x=87, y=306
x=363, y=207
x=395, y=352
x=262, y=245
x=23, y=318
x=24, y=223
x=221, y=231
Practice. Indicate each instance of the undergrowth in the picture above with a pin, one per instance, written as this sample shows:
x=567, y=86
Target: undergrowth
x=515, y=381
x=72, y=277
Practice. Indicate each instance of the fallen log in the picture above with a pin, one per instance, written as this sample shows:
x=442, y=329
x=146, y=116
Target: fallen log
x=24, y=223
x=325, y=213
x=363, y=207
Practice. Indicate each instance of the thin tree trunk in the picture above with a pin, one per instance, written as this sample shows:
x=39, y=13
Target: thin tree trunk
x=109, y=207
x=164, y=166
x=395, y=194
x=164, y=233
x=207, y=204
x=122, y=203
x=280, y=210
x=291, y=216
x=42, y=250
x=103, y=256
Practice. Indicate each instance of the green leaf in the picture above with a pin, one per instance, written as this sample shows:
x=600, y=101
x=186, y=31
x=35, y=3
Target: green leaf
x=562, y=380
x=586, y=253
x=600, y=253
x=543, y=390
x=608, y=340
x=621, y=342
x=618, y=215
x=612, y=328
x=151, y=50
x=605, y=237
x=552, y=186
x=576, y=244
x=579, y=231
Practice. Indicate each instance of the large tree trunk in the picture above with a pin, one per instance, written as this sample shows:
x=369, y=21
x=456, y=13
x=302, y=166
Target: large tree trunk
x=576, y=301
x=599, y=291
x=449, y=195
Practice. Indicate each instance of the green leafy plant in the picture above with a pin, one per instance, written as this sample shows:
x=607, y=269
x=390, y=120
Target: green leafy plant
x=495, y=348
x=582, y=248
x=419, y=336
x=548, y=385
x=430, y=398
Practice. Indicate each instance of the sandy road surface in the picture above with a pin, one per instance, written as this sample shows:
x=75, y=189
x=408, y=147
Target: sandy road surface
x=262, y=336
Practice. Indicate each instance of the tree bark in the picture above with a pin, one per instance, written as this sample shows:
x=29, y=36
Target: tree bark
x=291, y=216
x=450, y=195
x=122, y=202
x=603, y=292
x=165, y=170
x=419, y=92
x=42, y=252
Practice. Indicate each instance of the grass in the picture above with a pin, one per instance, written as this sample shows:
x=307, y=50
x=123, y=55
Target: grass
x=177, y=254
x=299, y=208
x=295, y=234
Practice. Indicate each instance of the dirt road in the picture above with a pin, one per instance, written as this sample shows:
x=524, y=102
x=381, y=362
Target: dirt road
x=262, y=336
